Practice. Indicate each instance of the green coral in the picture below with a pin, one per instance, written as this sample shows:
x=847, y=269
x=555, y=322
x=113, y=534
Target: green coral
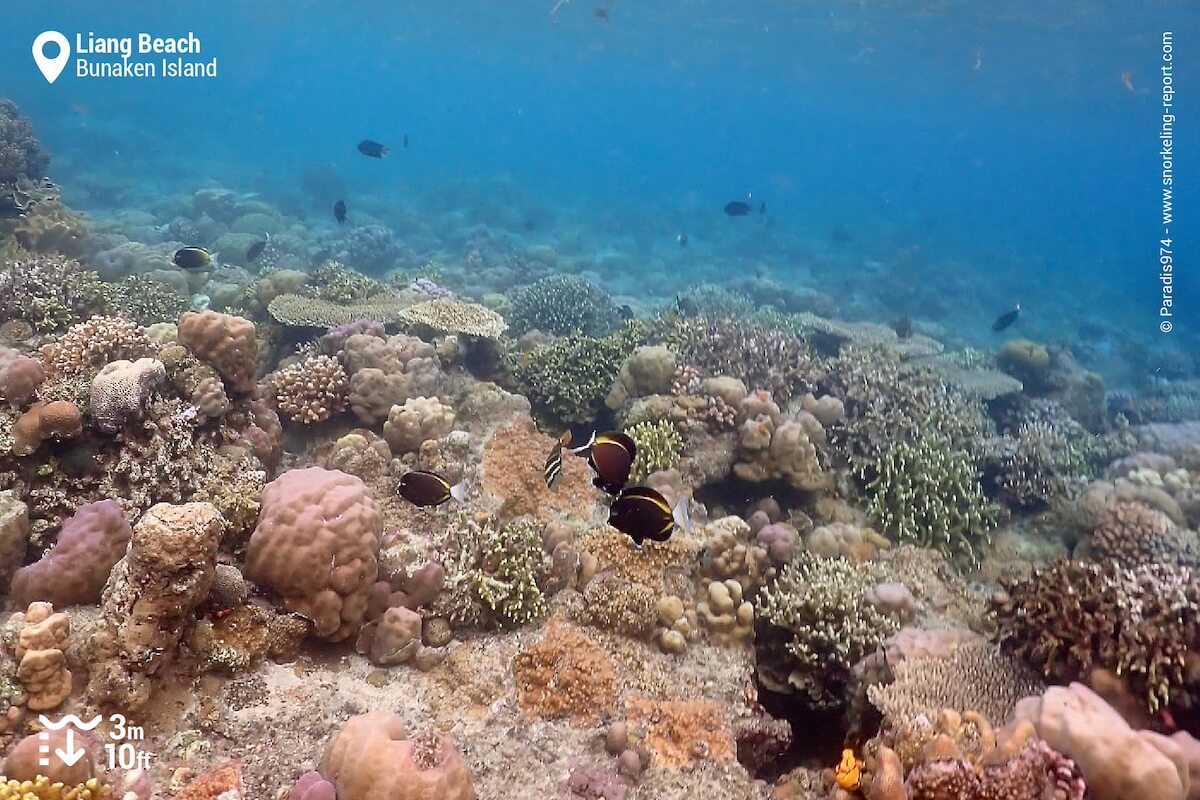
x=818, y=625
x=147, y=301
x=513, y=560
x=562, y=304
x=659, y=446
x=569, y=378
x=926, y=491
x=338, y=283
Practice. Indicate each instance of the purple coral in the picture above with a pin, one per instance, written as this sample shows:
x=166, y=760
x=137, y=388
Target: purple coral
x=20, y=376
x=428, y=287
x=312, y=786
x=591, y=782
x=74, y=572
x=333, y=341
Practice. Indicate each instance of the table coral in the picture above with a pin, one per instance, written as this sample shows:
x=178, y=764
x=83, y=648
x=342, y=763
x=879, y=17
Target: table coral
x=74, y=572
x=314, y=312
x=316, y=544
x=371, y=758
x=226, y=343
x=1071, y=616
x=453, y=316
x=565, y=674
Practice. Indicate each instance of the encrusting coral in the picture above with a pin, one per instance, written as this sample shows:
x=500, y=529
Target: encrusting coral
x=565, y=674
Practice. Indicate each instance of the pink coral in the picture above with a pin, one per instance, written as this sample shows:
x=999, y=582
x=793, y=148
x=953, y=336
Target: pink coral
x=317, y=544
x=371, y=758
x=74, y=572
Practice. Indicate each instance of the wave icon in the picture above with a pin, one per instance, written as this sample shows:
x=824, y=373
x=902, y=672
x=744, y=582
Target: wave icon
x=70, y=719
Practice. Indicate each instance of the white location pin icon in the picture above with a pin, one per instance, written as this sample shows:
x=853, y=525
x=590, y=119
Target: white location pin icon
x=51, y=67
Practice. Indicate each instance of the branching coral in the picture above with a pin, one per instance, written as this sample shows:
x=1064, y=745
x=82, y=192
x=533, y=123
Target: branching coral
x=49, y=291
x=818, y=625
x=312, y=390
x=563, y=304
x=659, y=446
x=1142, y=622
x=513, y=561
x=927, y=492
x=88, y=346
x=570, y=377
x=20, y=154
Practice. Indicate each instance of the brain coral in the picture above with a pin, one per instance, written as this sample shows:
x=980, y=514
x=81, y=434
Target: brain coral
x=120, y=391
x=317, y=544
x=371, y=758
x=224, y=342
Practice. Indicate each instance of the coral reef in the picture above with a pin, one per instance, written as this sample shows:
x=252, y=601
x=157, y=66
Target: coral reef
x=224, y=342
x=565, y=674
x=21, y=156
x=74, y=572
x=659, y=446
x=312, y=390
x=563, y=304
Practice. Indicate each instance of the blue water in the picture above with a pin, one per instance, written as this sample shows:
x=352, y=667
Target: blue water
x=974, y=157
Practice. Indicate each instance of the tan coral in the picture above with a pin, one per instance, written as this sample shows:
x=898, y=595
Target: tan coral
x=312, y=312
x=450, y=315
x=58, y=419
x=224, y=342
x=887, y=783
x=312, y=390
x=120, y=391
x=89, y=345
x=727, y=616
x=419, y=419
x=371, y=758
x=41, y=647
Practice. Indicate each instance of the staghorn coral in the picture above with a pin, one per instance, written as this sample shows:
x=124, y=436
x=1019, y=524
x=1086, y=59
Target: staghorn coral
x=565, y=674
x=659, y=447
x=563, y=304
x=90, y=543
x=513, y=562
x=312, y=390
x=449, y=315
x=1142, y=622
x=927, y=492
x=974, y=676
x=816, y=623
x=88, y=346
x=371, y=758
x=224, y=342
x=316, y=544
x=120, y=391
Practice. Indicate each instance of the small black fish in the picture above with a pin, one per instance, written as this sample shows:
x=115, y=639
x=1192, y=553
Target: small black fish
x=405, y=142
x=552, y=472
x=372, y=149
x=903, y=327
x=682, y=238
x=602, y=13
x=626, y=311
x=762, y=208
x=339, y=211
x=1007, y=318
x=255, y=250
x=610, y=455
x=193, y=259
x=427, y=489
x=687, y=306
x=642, y=513
x=737, y=208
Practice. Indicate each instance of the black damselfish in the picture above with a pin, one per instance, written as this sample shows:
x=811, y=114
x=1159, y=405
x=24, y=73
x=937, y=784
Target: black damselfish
x=642, y=513
x=372, y=149
x=255, y=250
x=339, y=211
x=1006, y=319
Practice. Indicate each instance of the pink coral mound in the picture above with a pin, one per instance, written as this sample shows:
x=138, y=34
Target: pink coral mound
x=74, y=572
x=317, y=545
x=371, y=759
